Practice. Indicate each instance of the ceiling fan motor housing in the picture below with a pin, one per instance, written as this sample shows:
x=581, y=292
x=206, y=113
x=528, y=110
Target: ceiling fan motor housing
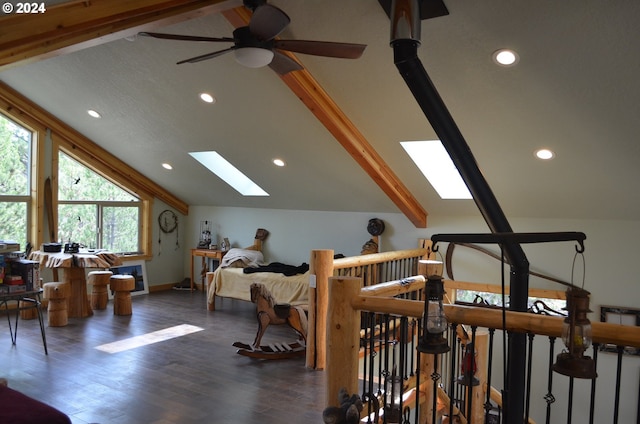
x=244, y=38
x=253, y=4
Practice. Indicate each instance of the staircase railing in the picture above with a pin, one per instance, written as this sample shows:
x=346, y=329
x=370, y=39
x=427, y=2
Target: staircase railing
x=433, y=384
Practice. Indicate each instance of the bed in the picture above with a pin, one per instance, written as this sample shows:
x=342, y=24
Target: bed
x=231, y=281
x=235, y=284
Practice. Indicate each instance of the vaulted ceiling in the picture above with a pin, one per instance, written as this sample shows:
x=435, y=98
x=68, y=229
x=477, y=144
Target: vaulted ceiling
x=574, y=90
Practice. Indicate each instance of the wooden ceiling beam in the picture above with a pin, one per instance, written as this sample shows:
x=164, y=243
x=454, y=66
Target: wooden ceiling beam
x=78, y=24
x=327, y=111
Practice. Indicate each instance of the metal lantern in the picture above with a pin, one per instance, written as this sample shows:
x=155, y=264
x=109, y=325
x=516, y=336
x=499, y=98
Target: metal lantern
x=468, y=367
x=393, y=398
x=576, y=335
x=434, y=319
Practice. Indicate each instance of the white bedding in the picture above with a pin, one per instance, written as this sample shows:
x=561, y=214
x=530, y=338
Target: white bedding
x=234, y=283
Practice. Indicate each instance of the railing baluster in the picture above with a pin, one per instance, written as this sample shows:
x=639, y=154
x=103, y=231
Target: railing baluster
x=528, y=391
x=471, y=365
x=620, y=350
x=593, y=385
x=365, y=344
x=418, y=368
x=435, y=376
x=549, y=398
x=570, y=407
x=487, y=404
x=452, y=396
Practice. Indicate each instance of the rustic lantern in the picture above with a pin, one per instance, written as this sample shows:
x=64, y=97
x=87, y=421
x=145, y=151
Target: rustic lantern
x=434, y=319
x=468, y=367
x=576, y=335
x=393, y=398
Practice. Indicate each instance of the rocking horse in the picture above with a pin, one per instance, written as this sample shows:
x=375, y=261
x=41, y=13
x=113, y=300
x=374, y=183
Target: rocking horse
x=269, y=312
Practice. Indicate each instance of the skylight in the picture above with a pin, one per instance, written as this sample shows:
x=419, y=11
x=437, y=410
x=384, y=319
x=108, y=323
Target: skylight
x=228, y=173
x=435, y=164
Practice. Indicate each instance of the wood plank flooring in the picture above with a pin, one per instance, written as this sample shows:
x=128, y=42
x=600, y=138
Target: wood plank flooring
x=195, y=378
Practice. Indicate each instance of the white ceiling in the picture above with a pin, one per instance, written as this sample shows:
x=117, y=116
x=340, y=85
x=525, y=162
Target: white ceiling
x=575, y=90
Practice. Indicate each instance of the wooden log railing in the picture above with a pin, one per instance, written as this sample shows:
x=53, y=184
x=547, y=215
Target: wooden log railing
x=371, y=269
x=347, y=299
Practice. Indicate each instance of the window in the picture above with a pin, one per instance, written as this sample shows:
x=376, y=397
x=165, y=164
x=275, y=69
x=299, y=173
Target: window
x=94, y=212
x=15, y=180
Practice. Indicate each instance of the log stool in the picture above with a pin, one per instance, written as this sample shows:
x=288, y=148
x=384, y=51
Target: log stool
x=99, y=281
x=122, y=286
x=57, y=293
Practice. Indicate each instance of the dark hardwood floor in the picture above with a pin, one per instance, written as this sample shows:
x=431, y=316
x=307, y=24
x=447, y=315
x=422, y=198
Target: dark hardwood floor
x=195, y=378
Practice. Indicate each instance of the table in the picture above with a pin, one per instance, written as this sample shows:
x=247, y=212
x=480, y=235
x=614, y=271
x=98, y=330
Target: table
x=205, y=254
x=74, y=265
x=24, y=300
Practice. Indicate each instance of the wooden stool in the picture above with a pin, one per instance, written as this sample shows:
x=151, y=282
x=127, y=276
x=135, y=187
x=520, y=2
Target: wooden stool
x=57, y=293
x=122, y=286
x=99, y=281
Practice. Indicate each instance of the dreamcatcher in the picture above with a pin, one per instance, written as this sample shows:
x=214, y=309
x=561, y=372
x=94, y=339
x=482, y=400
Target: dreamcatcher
x=168, y=222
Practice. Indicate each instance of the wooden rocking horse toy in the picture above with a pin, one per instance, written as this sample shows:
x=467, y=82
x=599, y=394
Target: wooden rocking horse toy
x=269, y=312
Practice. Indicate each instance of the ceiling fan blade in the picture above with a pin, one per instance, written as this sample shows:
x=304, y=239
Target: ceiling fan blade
x=322, y=48
x=283, y=64
x=207, y=56
x=268, y=21
x=185, y=37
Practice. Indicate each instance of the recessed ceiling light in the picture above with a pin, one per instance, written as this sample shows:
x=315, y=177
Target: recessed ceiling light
x=167, y=166
x=207, y=98
x=433, y=160
x=278, y=162
x=545, y=154
x=93, y=113
x=505, y=57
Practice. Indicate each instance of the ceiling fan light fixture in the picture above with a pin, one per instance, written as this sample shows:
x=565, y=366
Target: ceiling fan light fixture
x=253, y=57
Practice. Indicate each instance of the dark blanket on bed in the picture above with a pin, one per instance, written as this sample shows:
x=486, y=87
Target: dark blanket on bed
x=285, y=269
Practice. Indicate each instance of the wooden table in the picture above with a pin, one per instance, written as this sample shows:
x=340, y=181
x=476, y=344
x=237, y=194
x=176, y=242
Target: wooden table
x=205, y=254
x=74, y=265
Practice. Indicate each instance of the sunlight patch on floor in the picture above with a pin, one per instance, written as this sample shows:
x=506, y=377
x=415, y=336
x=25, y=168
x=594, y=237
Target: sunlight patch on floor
x=149, y=338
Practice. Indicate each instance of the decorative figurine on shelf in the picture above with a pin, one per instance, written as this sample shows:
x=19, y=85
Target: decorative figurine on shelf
x=205, y=235
x=375, y=227
x=225, y=245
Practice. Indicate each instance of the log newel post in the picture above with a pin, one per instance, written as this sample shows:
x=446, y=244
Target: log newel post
x=343, y=338
x=320, y=269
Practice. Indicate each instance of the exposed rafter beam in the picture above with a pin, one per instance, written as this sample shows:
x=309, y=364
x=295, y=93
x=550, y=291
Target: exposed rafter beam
x=79, y=24
x=326, y=111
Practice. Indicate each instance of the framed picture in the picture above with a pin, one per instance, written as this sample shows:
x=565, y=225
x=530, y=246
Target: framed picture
x=621, y=316
x=136, y=269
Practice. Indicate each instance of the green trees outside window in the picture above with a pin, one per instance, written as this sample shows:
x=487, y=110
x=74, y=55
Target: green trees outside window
x=94, y=212
x=15, y=180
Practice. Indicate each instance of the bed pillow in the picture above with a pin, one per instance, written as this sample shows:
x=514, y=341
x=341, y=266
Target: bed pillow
x=242, y=258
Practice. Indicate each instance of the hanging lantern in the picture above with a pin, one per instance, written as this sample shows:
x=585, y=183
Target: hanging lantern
x=393, y=398
x=434, y=319
x=576, y=335
x=468, y=367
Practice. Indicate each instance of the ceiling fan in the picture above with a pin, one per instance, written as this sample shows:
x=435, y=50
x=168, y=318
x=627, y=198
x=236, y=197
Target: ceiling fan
x=255, y=45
